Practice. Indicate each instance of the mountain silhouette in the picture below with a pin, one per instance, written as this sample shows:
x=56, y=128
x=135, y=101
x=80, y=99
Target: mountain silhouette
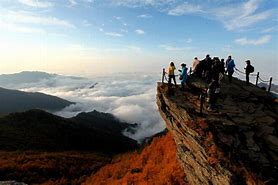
x=103, y=121
x=28, y=77
x=39, y=130
x=17, y=101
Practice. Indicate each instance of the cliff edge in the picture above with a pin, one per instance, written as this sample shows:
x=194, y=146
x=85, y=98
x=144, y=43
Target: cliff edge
x=238, y=144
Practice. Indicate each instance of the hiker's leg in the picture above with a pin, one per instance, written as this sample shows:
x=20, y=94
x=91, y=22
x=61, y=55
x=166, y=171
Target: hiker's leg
x=169, y=80
x=174, y=78
x=247, y=78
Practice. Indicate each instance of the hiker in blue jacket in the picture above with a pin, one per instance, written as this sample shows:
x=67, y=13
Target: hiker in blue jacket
x=230, y=68
x=183, y=76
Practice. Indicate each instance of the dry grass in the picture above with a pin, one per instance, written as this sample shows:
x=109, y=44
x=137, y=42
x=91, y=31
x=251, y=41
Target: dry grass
x=156, y=164
x=49, y=167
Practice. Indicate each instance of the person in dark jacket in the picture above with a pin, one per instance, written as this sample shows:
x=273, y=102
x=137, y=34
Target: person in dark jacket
x=215, y=69
x=230, y=68
x=222, y=66
x=248, y=69
x=208, y=68
x=213, y=93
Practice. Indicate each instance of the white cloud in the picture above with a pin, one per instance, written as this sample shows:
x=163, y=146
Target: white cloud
x=72, y=2
x=36, y=3
x=86, y=23
x=145, y=16
x=227, y=49
x=234, y=16
x=184, y=9
x=114, y=34
x=14, y=17
x=268, y=30
x=141, y=3
x=130, y=97
x=135, y=49
x=79, y=47
x=140, y=32
x=117, y=18
x=262, y=40
x=174, y=48
x=239, y=16
x=124, y=31
x=19, y=29
x=189, y=40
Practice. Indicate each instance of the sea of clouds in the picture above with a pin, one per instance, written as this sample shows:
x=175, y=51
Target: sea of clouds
x=131, y=97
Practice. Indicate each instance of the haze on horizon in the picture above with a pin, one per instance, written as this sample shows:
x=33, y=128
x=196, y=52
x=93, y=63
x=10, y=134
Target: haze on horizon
x=88, y=37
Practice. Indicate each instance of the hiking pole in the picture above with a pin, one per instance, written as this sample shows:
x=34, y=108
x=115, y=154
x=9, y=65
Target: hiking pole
x=202, y=99
x=269, y=86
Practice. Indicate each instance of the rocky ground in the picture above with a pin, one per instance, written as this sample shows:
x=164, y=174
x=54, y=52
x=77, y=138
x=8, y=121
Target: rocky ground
x=237, y=144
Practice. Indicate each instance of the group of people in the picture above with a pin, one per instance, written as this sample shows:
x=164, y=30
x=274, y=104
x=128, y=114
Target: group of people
x=209, y=69
x=183, y=74
x=212, y=70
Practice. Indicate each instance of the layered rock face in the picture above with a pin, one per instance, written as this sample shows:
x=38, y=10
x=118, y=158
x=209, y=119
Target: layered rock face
x=237, y=144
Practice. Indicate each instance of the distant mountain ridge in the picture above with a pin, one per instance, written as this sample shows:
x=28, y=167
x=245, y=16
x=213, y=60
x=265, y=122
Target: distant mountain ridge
x=39, y=130
x=29, y=77
x=105, y=121
x=17, y=101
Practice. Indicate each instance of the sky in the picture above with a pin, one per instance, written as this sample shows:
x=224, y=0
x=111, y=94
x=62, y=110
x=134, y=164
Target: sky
x=86, y=37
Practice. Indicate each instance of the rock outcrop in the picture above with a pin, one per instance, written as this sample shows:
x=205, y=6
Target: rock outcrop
x=237, y=144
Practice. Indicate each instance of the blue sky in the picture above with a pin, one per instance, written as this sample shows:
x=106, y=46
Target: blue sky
x=98, y=36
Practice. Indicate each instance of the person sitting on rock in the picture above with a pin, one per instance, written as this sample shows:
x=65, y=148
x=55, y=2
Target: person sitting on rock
x=171, y=74
x=183, y=76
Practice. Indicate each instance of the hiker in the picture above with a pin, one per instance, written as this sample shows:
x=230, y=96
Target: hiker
x=222, y=66
x=171, y=74
x=227, y=61
x=213, y=93
x=198, y=71
x=183, y=76
x=207, y=68
x=221, y=69
x=215, y=68
x=248, y=69
x=163, y=75
x=230, y=68
x=195, y=64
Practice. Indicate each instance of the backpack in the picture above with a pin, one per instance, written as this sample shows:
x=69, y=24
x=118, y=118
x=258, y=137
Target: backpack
x=251, y=69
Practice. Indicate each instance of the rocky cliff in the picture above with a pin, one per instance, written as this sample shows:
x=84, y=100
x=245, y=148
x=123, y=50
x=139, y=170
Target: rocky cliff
x=237, y=144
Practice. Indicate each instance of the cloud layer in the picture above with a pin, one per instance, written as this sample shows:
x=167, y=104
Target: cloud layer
x=130, y=97
x=262, y=40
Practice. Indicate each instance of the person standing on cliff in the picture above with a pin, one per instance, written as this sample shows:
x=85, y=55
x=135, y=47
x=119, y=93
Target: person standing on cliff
x=248, y=69
x=195, y=64
x=227, y=61
x=183, y=76
x=171, y=74
x=230, y=68
x=207, y=62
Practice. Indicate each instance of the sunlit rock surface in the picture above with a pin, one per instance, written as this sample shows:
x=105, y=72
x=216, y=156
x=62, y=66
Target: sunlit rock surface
x=237, y=144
